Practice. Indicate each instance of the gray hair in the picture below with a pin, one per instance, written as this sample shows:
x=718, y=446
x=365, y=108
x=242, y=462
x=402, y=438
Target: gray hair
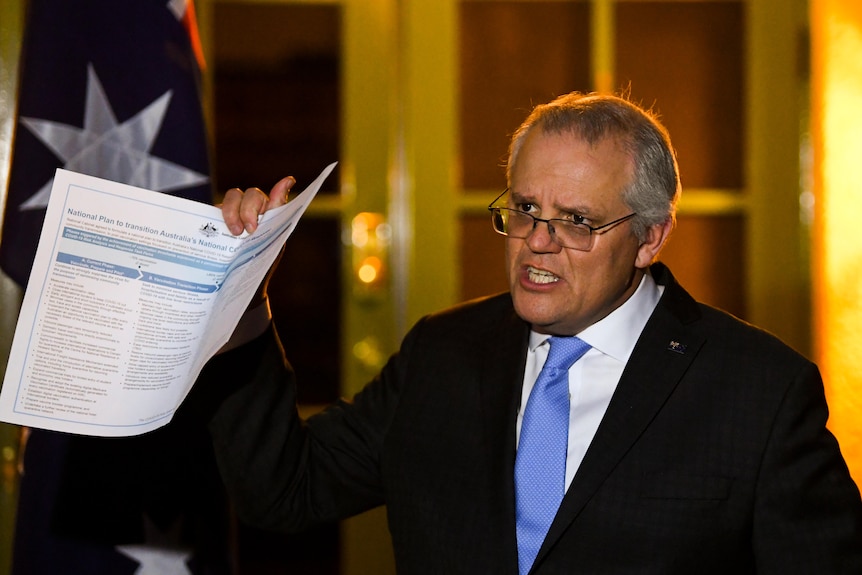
x=655, y=187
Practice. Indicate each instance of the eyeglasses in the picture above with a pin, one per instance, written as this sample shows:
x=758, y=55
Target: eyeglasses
x=567, y=233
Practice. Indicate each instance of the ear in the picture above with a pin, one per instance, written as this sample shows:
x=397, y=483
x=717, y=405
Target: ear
x=656, y=236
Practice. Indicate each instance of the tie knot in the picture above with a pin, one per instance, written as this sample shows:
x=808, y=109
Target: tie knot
x=565, y=351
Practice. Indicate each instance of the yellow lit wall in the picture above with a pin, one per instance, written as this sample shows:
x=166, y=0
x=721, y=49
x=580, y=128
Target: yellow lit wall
x=836, y=30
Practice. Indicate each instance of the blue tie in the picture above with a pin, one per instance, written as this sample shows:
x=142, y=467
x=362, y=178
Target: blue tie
x=540, y=464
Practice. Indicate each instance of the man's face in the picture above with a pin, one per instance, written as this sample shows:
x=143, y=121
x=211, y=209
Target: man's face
x=561, y=290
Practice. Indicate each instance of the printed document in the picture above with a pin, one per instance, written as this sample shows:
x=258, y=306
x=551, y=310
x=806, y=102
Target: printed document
x=131, y=293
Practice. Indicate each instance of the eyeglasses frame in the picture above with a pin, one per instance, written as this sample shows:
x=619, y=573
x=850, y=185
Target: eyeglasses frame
x=597, y=230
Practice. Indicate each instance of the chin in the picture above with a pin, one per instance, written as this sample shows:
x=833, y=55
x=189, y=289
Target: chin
x=538, y=316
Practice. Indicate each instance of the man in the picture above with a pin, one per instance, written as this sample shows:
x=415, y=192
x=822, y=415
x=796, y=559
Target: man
x=691, y=441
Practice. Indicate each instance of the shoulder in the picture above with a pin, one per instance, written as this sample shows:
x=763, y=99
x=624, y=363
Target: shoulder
x=474, y=324
x=726, y=337
x=735, y=337
x=479, y=314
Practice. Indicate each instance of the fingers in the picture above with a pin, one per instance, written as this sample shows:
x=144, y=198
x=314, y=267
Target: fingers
x=241, y=210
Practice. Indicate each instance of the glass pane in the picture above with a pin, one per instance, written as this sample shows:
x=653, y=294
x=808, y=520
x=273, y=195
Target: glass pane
x=707, y=257
x=276, y=90
x=304, y=294
x=277, y=112
x=482, y=255
x=514, y=55
x=686, y=60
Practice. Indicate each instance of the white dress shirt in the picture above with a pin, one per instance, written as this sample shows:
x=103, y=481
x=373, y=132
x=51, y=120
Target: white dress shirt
x=594, y=377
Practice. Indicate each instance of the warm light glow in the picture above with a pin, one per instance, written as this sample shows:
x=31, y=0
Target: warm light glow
x=837, y=126
x=359, y=234
x=369, y=236
x=369, y=269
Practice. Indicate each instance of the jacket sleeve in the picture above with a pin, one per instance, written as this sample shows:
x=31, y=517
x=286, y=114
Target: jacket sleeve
x=808, y=514
x=286, y=473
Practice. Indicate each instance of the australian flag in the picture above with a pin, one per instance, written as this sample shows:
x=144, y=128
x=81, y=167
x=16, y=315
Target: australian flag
x=112, y=89
x=109, y=89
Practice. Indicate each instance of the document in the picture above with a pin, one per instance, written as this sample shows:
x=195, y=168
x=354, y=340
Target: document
x=131, y=293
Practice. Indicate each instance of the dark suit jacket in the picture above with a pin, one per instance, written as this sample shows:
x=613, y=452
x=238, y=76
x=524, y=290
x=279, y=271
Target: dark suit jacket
x=712, y=457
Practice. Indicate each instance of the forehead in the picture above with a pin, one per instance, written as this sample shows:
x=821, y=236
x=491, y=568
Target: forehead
x=568, y=165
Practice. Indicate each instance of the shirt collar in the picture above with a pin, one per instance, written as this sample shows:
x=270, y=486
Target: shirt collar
x=616, y=334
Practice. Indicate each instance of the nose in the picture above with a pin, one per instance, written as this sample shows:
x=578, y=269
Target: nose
x=541, y=238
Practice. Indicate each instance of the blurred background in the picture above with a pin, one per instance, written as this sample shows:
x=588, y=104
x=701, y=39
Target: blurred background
x=416, y=100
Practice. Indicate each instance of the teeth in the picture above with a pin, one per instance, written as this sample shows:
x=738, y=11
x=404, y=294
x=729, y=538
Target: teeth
x=541, y=276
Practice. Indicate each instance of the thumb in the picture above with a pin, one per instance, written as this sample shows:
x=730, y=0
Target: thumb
x=279, y=192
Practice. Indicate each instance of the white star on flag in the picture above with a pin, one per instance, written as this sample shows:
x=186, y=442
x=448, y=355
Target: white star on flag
x=178, y=7
x=157, y=561
x=106, y=149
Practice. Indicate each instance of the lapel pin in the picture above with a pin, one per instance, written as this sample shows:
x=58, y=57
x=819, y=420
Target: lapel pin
x=677, y=347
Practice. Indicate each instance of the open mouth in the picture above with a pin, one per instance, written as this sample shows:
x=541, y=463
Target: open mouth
x=541, y=276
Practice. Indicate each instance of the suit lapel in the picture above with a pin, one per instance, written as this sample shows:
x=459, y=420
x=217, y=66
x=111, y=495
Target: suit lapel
x=661, y=356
